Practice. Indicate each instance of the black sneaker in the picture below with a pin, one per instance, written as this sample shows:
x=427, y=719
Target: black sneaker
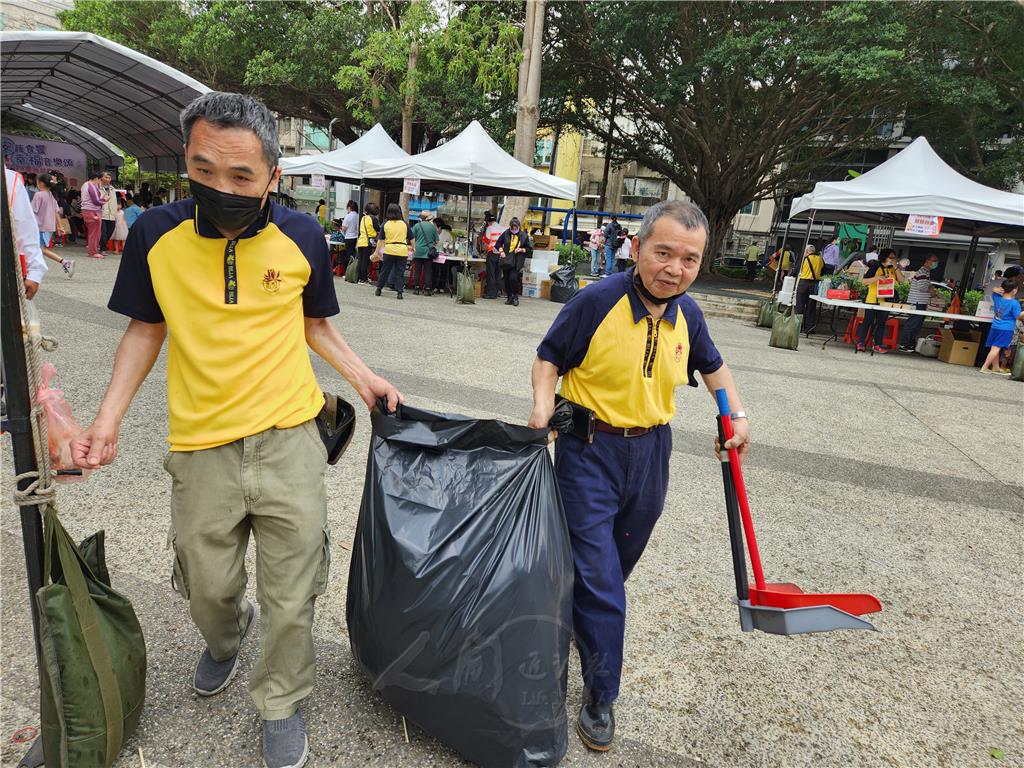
x=596, y=726
x=211, y=677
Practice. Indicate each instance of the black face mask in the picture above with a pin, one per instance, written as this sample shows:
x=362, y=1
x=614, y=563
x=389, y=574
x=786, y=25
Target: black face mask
x=642, y=290
x=225, y=211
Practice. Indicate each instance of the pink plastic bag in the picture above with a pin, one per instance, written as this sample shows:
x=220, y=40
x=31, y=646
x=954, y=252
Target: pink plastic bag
x=61, y=426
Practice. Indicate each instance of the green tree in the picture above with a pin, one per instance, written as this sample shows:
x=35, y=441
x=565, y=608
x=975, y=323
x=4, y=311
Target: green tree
x=968, y=95
x=731, y=101
x=285, y=53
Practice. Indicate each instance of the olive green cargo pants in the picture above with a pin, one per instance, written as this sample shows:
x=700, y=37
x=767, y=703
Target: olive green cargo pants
x=271, y=483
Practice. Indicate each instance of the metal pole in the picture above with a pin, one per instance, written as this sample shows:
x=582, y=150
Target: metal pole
x=778, y=266
x=967, y=266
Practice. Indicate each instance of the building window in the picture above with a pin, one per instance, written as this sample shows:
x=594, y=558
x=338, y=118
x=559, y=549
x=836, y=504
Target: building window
x=315, y=138
x=284, y=125
x=643, y=191
x=753, y=207
x=542, y=151
x=594, y=189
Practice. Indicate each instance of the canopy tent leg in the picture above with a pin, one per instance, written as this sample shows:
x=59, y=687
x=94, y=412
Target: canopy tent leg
x=18, y=423
x=778, y=266
x=968, y=264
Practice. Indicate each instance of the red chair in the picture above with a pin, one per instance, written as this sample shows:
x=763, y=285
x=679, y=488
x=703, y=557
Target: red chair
x=890, y=340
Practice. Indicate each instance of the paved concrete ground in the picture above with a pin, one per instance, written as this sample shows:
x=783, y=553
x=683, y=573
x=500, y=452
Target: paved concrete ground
x=899, y=476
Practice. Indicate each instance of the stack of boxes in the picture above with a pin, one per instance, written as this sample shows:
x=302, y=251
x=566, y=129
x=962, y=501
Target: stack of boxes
x=536, y=272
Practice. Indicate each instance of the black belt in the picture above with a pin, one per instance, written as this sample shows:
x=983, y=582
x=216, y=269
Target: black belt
x=603, y=426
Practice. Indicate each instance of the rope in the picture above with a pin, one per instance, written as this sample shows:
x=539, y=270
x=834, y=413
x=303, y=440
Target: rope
x=41, y=490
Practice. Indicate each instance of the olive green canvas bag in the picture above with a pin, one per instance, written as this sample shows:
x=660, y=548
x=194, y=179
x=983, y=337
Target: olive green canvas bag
x=92, y=657
x=766, y=313
x=465, y=292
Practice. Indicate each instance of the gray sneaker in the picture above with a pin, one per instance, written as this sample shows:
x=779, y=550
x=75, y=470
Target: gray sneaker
x=284, y=743
x=211, y=676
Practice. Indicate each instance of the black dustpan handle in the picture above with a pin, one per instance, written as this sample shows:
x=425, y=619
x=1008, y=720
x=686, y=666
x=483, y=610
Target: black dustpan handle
x=732, y=508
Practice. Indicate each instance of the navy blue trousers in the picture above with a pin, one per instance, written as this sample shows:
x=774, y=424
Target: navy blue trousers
x=613, y=491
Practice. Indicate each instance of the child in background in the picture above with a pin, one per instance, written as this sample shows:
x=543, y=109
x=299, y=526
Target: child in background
x=624, y=252
x=1005, y=310
x=120, y=227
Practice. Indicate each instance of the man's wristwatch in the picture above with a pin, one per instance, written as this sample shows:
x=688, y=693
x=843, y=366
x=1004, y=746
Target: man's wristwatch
x=739, y=415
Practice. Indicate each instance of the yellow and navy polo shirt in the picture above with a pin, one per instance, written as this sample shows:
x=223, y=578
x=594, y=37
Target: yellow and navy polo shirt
x=237, y=360
x=620, y=362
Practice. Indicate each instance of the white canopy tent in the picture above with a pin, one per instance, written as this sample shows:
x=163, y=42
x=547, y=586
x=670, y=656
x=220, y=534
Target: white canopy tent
x=94, y=145
x=472, y=163
x=347, y=163
x=124, y=96
x=916, y=181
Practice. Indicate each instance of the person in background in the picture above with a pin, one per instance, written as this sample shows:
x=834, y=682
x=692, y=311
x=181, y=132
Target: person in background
x=59, y=190
x=93, y=200
x=596, y=252
x=785, y=259
x=751, y=260
x=120, y=233
x=132, y=211
x=394, y=248
x=995, y=282
x=30, y=186
x=513, y=249
x=485, y=249
x=321, y=213
x=1005, y=310
x=444, y=271
x=623, y=254
x=425, y=237
x=75, y=216
x=920, y=292
x=874, y=319
x=366, y=243
x=47, y=214
x=145, y=196
x=339, y=257
x=350, y=228
x=810, y=273
x=26, y=231
x=830, y=256
x=108, y=214
x=611, y=236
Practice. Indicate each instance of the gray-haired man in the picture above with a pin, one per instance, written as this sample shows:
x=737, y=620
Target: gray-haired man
x=622, y=346
x=244, y=286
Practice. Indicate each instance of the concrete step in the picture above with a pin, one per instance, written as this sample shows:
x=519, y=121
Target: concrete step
x=718, y=298
x=716, y=305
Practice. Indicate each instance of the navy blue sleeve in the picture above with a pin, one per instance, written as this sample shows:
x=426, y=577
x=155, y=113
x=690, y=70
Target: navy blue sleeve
x=133, y=293
x=318, y=296
x=704, y=356
x=566, y=343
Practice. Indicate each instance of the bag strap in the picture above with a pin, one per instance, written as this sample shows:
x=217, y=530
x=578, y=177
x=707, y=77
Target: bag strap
x=71, y=565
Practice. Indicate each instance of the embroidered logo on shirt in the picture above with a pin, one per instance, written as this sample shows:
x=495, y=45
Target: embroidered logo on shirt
x=679, y=353
x=271, y=281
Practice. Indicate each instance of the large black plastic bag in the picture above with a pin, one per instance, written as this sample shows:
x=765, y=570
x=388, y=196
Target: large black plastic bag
x=460, y=588
x=564, y=284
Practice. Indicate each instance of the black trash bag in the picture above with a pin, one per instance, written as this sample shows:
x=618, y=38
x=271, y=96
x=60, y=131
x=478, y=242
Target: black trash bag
x=564, y=284
x=460, y=587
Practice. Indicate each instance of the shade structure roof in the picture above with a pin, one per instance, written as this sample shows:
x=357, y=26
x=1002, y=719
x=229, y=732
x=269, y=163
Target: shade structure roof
x=348, y=163
x=916, y=180
x=94, y=145
x=126, y=97
x=474, y=159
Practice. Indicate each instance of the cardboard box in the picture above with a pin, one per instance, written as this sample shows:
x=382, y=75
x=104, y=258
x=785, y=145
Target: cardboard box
x=478, y=288
x=545, y=289
x=543, y=242
x=533, y=279
x=985, y=309
x=959, y=347
x=531, y=291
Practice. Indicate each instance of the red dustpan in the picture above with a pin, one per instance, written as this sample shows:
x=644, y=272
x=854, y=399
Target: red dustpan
x=784, y=595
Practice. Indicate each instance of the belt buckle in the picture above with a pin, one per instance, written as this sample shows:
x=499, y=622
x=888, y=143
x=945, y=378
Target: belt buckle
x=626, y=432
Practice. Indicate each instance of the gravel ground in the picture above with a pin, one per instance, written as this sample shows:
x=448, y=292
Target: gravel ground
x=894, y=475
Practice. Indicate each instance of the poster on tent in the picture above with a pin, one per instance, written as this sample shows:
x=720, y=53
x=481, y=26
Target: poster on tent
x=30, y=154
x=929, y=226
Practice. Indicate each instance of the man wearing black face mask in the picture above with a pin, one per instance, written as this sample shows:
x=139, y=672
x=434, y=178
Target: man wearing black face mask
x=244, y=286
x=621, y=347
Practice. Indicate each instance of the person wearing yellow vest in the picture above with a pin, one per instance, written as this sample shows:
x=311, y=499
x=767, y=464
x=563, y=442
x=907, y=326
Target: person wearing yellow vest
x=394, y=248
x=874, y=319
x=513, y=248
x=811, y=269
x=243, y=289
x=366, y=242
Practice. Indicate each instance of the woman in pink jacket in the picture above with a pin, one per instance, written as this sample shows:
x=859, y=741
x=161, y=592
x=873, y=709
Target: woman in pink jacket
x=92, y=212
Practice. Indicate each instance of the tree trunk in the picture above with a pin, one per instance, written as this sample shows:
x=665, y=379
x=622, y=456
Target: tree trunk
x=528, y=114
x=719, y=220
x=407, y=111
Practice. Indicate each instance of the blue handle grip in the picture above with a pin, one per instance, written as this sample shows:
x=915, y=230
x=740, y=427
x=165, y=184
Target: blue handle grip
x=722, y=397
